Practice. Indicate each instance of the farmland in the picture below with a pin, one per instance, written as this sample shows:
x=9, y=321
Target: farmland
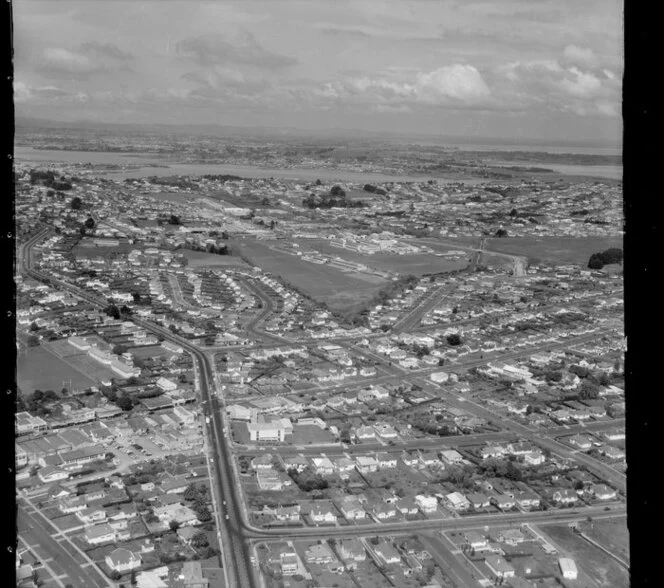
x=595, y=565
x=560, y=250
x=40, y=369
x=325, y=284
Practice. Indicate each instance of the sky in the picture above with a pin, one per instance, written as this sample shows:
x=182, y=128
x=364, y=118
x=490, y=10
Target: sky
x=513, y=69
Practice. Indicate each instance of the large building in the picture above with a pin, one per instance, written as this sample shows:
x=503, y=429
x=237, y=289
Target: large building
x=263, y=428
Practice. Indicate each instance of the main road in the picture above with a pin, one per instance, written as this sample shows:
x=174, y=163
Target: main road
x=236, y=556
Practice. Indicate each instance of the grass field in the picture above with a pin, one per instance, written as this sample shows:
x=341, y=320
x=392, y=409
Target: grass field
x=197, y=259
x=341, y=291
x=556, y=250
x=595, y=567
x=613, y=534
x=39, y=369
x=417, y=264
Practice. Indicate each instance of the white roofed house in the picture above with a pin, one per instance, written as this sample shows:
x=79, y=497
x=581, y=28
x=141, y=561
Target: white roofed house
x=123, y=560
x=366, y=464
x=499, y=567
x=427, y=504
x=458, y=501
x=166, y=385
x=323, y=466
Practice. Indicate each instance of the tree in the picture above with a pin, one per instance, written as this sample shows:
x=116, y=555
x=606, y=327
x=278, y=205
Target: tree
x=174, y=220
x=119, y=349
x=33, y=341
x=318, y=182
x=200, y=540
x=337, y=191
x=115, y=575
x=112, y=310
x=90, y=222
x=588, y=390
x=454, y=339
x=501, y=233
x=76, y=203
x=125, y=403
x=174, y=525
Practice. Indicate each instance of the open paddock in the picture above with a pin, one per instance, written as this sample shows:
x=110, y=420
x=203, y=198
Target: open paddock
x=554, y=250
x=201, y=259
x=595, y=567
x=325, y=284
x=39, y=369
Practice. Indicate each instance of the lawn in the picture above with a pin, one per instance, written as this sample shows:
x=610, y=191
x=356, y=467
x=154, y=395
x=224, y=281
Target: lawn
x=39, y=369
x=555, y=250
x=597, y=567
x=325, y=284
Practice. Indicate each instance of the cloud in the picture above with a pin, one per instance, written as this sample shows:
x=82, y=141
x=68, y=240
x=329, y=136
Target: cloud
x=21, y=92
x=579, y=56
x=581, y=84
x=90, y=59
x=215, y=50
x=559, y=85
x=108, y=50
x=25, y=93
x=459, y=82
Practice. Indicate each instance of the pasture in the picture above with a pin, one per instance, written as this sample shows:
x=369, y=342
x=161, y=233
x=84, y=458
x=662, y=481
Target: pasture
x=39, y=369
x=595, y=567
x=323, y=283
x=554, y=250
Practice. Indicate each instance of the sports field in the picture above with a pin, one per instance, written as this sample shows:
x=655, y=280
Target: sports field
x=339, y=290
x=38, y=369
x=555, y=250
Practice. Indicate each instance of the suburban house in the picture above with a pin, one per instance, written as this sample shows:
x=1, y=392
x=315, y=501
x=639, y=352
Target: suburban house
x=351, y=508
x=564, y=496
x=457, y=501
x=387, y=553
x=603, y=492
x=123, y=560
x=351, y=551
x=366, y=464
x=406, y=506
x=427, y=504
x=499, y=567
x=478, y=500
x=322, y=512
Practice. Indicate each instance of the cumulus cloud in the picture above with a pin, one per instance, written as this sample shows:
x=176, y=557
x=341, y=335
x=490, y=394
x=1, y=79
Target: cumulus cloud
x=215, y=50
x=579, y=56
x=459, y=82
x=572, y=83
x=579, y=83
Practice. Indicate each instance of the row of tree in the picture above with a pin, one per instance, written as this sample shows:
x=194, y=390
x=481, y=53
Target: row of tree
x=609, y=256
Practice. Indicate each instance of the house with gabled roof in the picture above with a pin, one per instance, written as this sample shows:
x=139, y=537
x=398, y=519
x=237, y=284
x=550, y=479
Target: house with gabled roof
x=123, y=560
